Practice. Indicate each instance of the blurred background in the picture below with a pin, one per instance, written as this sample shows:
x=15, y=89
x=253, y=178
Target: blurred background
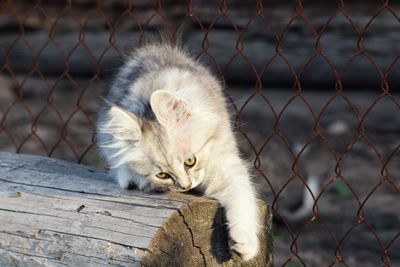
x=312, y=88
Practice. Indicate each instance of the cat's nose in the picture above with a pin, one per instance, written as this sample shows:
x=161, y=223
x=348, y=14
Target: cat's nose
x=188, y=187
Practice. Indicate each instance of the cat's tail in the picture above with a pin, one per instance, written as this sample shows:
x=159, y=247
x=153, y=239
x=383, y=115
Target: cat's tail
x=308, y=200
x=310, y=193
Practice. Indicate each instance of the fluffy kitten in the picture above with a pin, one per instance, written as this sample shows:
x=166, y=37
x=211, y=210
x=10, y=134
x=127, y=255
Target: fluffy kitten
x=166, y=127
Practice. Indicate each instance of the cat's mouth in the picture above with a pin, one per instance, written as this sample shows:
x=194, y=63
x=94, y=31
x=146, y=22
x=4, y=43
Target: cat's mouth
x=195, y=183
x=181, y=190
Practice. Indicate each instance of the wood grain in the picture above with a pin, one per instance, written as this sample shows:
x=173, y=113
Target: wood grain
x=55, y=213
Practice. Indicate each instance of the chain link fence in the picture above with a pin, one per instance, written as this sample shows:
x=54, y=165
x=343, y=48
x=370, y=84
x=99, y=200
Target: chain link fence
x=313, y=89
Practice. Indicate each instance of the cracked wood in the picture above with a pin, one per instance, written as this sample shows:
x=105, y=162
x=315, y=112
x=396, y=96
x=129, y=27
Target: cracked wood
x=55, y=213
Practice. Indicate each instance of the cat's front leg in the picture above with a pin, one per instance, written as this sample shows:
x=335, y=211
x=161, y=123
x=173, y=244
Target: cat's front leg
x=236, y=194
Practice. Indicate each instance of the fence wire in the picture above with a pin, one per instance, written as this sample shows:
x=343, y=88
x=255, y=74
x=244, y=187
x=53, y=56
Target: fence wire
x=55, y=59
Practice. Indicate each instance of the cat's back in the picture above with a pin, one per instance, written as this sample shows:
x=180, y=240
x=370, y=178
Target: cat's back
x=163, y=66
x=143, y=64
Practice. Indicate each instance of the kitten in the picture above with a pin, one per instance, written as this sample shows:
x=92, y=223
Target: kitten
x=166, y=127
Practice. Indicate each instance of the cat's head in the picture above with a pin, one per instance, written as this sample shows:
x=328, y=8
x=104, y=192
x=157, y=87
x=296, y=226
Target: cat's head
x=170, y=152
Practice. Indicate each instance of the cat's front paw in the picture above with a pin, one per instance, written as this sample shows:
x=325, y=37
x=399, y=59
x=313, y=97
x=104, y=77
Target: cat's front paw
x=149, y=188
x=125, y=182
x=245, y=242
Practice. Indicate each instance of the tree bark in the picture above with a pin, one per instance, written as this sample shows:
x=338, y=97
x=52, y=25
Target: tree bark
x=55, y=213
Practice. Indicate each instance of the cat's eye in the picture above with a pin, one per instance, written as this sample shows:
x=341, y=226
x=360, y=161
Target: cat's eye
x=163, y=175
x=190, y=162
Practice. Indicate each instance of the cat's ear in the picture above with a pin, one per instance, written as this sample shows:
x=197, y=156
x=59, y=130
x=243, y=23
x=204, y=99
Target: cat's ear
x=123, y=124
x=169, y=109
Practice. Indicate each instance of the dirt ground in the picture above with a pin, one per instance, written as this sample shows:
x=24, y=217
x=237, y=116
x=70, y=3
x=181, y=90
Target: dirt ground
x=287, y=138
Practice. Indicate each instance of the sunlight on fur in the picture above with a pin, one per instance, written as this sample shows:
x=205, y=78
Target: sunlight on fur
x=164, y=108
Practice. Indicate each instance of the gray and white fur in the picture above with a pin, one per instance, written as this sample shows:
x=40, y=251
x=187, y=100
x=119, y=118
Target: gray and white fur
x=165, y=111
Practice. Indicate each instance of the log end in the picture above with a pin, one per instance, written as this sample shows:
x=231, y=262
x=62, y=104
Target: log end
x=197, y=235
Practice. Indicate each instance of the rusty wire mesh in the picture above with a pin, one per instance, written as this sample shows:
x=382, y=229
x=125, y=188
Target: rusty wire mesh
x=51, y=109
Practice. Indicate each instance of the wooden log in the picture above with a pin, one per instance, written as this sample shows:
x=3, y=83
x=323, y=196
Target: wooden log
x=55, y=213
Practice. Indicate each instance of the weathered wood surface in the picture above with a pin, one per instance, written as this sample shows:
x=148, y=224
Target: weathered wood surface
x=55, y=213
